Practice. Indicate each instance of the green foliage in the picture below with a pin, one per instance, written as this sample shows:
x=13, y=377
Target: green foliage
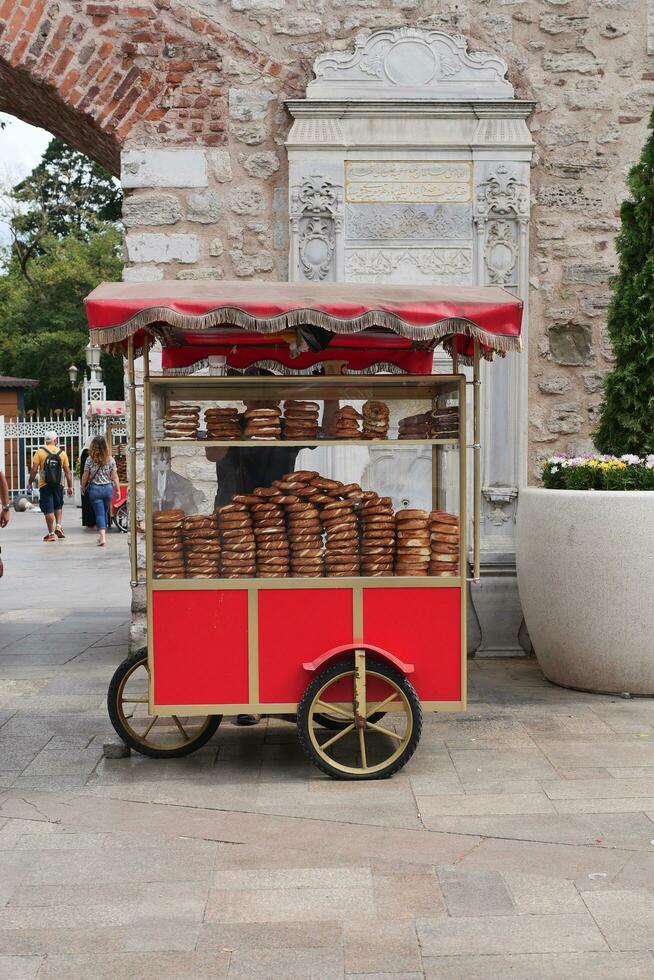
x=65, y=194
x=598, y=473
x=64, y=242
x=626, y=422
x=43, y=325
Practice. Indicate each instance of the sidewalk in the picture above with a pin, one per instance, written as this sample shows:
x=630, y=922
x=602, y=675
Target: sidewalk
x=518, y=842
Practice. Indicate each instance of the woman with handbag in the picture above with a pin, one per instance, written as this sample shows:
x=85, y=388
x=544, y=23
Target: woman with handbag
x=100, y=481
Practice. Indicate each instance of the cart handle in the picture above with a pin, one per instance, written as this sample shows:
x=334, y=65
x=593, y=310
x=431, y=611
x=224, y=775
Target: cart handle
x=349, y=648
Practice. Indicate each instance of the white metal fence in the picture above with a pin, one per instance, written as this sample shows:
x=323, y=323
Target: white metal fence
x=21, y=437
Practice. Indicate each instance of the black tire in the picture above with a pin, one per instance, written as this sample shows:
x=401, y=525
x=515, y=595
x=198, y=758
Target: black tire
x=331, y=673
x=129, y=737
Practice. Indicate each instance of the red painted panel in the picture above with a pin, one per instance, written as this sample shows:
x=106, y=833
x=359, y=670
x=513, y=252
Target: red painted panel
x=297, y=625
x=200, y=643
x=421, y=626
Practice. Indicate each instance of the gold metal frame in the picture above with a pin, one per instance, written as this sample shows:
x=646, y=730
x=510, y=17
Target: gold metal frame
x=229, y=389
x=131, y=461
x=476, y=449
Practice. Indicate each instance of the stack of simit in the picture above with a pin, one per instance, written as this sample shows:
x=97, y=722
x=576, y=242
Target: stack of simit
x=341, y=524
x=377, y=535
x=237, y=546
x=445, y=423
x=305, y=538
x=413, y=548
x=263, y=423
x=222, y=423
x=346, y=423
x=301, y=420
x=121, y=468
x=181, y=422
x=269, y=533
x=296, y=495
x=201, y=546
x=444, y=531
x=415, y=426
x=375, y=420
x=167, y=544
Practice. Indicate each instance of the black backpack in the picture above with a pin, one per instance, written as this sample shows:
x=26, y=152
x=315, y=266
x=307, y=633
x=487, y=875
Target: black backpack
x=52, y=468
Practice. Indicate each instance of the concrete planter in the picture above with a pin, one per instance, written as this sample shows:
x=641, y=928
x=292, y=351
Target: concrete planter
x=585, y=562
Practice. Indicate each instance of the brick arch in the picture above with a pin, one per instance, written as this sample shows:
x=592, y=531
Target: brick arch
x=96, y=74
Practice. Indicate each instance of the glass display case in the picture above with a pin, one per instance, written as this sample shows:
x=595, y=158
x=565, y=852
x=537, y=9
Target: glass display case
x=305, y=477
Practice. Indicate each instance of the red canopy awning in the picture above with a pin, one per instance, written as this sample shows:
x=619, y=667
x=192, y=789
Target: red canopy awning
x=253, y=322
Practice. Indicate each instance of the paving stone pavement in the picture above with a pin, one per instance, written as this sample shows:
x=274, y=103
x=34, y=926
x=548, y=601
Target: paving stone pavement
x=518, y=842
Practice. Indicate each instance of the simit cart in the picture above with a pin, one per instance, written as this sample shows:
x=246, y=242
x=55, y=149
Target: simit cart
x=327, y=581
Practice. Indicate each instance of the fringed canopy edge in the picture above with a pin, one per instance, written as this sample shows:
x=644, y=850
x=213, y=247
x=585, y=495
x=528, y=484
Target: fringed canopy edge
x=267, y=364
x=155, y=319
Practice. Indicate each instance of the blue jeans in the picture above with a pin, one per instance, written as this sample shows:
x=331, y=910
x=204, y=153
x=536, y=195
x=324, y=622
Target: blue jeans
x=100, y=496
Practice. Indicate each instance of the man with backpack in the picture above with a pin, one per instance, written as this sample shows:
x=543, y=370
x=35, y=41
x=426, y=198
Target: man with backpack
x=52, y=462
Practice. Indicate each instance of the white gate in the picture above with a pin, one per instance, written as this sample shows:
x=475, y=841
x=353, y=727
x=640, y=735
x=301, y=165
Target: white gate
x=21, y=437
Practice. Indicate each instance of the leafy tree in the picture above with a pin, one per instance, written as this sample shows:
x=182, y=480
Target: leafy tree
x=626, y=422
x=64, y=241
x=42, y=320
x=75, y=191
x=65, y=194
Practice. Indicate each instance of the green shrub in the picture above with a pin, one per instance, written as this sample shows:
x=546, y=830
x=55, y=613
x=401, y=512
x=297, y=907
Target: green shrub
x=626, y=423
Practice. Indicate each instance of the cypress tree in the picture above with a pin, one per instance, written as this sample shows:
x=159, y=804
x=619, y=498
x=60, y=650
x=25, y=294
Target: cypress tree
x=626, y=422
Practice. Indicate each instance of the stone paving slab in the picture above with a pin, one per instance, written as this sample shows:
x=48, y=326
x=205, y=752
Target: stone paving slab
x=518, y=842
x=509, y=934
x=541, y=966
x=129, y=966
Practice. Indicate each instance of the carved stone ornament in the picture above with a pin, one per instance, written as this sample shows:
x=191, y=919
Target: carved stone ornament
x=315, y=195
x=315, y=248
x=500, y=252
x=406, y=265
x=500, y=504
x=396, y=63
x=316, y=218
x=408, y=222
x=502, y=195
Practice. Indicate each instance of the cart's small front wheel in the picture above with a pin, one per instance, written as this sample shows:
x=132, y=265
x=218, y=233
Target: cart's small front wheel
x=153, y=735
x=361, y=748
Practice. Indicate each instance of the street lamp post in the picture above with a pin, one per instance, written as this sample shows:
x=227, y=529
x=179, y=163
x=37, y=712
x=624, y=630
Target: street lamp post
x=92, y=386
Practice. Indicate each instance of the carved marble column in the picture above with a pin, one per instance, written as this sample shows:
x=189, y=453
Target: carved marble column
x=501, y=214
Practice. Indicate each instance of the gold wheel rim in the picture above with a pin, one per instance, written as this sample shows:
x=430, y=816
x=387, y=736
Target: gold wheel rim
x=151, y=721
x=318, y=706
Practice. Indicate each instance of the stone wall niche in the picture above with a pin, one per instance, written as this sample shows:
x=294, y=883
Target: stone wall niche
x=409, y=163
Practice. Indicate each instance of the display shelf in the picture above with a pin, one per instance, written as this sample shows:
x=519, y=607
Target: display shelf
x=168, y=443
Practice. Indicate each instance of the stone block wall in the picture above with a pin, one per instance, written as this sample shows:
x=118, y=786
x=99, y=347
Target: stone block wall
x=210, y=212
x=204, y=213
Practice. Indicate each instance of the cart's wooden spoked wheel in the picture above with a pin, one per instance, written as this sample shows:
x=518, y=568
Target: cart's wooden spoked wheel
x=153, y=735
x=357, y=691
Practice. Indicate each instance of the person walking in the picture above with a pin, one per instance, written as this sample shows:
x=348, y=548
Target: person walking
x=5, y=512
x=4, y=500
x=100, y=480
x=88, y=516
x=51, y=462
